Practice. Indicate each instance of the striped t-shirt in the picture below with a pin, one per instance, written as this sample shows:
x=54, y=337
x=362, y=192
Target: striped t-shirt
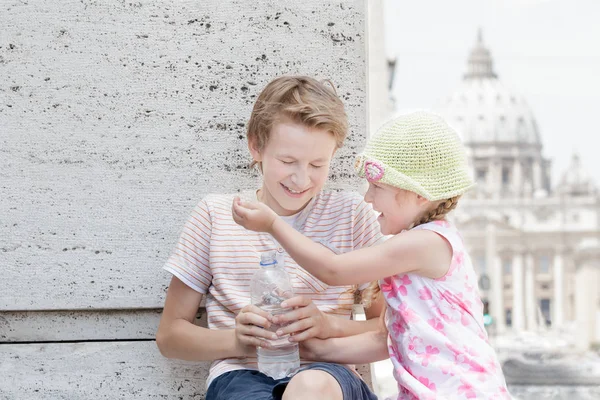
x=217, y=257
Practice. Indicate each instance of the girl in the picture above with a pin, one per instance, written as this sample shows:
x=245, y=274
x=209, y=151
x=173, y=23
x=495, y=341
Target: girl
x=417, y=170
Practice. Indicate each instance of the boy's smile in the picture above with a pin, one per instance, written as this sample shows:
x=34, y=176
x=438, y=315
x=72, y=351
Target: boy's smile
x=295, y=165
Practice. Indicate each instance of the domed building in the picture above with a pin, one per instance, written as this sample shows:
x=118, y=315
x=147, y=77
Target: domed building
x=536, y=246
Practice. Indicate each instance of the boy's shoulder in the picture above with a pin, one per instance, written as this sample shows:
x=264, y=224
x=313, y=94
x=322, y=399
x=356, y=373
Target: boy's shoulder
x=226, y=199
x=219, y=203
x=342, y=201
x=342, y=196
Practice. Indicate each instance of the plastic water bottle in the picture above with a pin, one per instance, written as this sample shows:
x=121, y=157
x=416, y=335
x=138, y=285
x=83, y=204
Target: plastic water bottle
x=270, y=286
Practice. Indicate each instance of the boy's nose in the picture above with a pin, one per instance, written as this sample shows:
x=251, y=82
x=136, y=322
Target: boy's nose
x=300, y=179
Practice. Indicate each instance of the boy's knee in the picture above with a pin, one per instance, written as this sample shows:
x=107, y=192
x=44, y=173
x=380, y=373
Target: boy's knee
x=313, y=384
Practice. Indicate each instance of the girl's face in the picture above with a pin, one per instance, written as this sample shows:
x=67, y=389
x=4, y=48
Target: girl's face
x=398, y=208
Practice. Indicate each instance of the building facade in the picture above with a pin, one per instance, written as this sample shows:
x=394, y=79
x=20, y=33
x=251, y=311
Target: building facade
x=535, y=245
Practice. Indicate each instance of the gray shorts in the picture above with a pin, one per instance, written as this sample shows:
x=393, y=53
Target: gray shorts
x=250, y=384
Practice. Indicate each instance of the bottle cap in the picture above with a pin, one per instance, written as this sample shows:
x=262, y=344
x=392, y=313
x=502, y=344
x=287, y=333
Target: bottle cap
x=268, y=258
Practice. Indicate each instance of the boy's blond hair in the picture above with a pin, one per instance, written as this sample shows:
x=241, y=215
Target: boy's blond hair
x=299, y=99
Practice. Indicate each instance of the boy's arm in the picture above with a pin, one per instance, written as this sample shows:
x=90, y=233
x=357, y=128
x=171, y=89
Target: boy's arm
x=346, y=327
x=358, y=349
x=423, y=252
x=366, y=347
x=178, y=336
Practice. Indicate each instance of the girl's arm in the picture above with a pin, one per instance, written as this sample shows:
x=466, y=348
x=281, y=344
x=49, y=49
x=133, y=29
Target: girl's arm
x=423, y=252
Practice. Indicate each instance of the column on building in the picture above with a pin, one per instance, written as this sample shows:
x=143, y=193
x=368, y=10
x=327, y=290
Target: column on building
x=518, y=312
x=530, y=296
x=496, y=177
x=587, y=296
x=558, y=302
x=586, y=303
x=497, y=287
x=517, y=172
x=537, y=175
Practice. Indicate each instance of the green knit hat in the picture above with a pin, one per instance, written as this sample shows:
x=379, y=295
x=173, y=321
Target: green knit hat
x=418, y=152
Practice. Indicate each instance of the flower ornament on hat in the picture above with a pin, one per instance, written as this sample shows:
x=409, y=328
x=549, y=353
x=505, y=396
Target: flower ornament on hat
x=418, y=152
x=373, y=171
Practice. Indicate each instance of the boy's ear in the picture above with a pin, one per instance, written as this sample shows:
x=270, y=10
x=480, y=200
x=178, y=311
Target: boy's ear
x=253, y=148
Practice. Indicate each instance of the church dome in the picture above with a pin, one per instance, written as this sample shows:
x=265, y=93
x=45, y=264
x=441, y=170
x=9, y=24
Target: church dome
x=576, y=180
x=483, y=110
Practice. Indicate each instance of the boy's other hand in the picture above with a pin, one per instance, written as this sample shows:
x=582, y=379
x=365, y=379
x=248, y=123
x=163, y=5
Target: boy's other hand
x=254, y=216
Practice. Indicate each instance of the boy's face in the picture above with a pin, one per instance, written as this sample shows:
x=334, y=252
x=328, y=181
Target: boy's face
x=295, y=165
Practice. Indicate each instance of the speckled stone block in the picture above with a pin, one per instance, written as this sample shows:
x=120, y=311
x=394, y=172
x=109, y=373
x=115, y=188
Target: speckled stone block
x=108, y=370
x=116, y=117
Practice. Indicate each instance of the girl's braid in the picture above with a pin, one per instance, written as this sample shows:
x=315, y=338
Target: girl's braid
x=440, y=211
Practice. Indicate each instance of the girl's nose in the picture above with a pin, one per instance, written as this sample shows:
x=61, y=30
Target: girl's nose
x=369, y=196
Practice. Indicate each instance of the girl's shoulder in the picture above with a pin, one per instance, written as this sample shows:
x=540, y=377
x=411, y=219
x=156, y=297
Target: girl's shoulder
x=445, y=229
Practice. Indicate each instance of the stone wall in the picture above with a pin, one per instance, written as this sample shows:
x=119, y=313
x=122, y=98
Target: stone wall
x=116, y=117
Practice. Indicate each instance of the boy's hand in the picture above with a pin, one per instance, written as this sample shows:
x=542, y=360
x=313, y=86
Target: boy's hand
x=251, y=326
x=253, y=215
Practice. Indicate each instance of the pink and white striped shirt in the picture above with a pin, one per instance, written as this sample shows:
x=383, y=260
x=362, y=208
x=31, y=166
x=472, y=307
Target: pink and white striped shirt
x=217, y=257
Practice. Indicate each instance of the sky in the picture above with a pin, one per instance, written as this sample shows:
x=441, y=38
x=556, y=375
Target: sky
x=548, y=51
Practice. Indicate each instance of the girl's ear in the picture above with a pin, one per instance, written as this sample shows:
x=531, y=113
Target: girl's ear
x=421, y=200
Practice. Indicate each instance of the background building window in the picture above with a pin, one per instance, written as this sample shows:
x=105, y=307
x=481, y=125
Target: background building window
x=481, y=174
x=505, y=175
x=544, y=264
x=480, y=261
x=507, y=267
x=508, y=316
x=545, y=308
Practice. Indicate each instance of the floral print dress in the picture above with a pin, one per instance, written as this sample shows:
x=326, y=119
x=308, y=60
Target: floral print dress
x=437, y=341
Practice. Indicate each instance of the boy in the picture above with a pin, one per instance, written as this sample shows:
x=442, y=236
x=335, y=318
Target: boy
x=295, y=128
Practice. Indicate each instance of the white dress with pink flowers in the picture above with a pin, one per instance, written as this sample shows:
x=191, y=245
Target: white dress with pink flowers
x=437, y=341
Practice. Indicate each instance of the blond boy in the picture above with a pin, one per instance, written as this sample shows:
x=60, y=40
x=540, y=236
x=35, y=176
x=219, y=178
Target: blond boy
x=296, y=126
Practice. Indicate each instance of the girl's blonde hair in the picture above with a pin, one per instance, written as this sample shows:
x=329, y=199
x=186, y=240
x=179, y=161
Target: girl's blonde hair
x=436, y=213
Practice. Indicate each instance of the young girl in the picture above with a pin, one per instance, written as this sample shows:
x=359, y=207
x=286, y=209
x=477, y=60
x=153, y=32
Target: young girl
x=416, y=168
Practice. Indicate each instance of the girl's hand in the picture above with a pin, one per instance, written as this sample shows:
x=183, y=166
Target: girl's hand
x=305, y=320
x=251, y=326
x=254, y=216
